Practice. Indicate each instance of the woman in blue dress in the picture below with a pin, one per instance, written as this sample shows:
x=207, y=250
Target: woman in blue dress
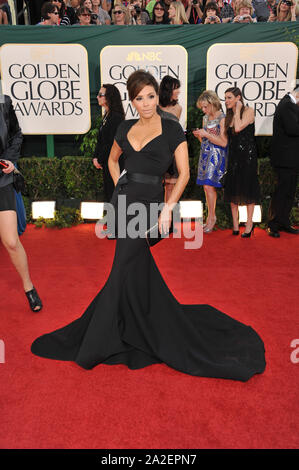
x=211, y=164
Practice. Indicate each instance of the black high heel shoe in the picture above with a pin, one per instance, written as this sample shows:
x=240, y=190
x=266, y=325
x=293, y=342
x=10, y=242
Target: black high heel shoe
x=248, y=234
x=34, y=300
x=236, y=232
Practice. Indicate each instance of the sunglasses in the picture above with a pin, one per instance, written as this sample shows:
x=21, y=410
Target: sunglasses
x=55, y=13
x=118, y=12
x=86, y=14
x=100, y=95
x=158, y=8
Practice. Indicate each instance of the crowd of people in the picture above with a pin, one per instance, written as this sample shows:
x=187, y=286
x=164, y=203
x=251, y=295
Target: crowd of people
x=143, y=12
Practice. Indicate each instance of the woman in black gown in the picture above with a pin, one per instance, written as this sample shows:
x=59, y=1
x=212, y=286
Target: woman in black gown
x=241, y=182
x=134, y=319
x=109, y=98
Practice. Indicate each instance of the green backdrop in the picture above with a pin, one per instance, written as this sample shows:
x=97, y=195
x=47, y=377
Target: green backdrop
x=195, y=38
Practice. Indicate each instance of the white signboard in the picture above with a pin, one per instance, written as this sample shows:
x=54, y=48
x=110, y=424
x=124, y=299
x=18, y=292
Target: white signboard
x=119, y=62
x=48, y=85
x=264, y=72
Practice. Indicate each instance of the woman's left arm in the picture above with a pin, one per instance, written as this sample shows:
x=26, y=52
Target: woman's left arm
x=247, y=118
x=182, y=163
x=15, y=137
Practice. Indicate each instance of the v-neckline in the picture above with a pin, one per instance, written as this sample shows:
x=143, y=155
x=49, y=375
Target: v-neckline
x=150, y=141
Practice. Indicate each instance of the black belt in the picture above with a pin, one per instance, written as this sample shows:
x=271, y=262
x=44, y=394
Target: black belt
x=143, y=178
x=137, y=178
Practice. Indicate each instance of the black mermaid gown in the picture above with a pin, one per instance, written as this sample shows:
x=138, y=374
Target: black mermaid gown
x=134, y=319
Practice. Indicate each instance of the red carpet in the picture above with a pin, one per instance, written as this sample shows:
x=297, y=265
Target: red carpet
x=51, y=404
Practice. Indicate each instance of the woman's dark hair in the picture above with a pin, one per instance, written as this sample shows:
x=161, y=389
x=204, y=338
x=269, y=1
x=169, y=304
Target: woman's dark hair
x=138, y=80
x=229, y=112
x=83, y=10
x=167, y=85
x=47, y=8
x=210, y=6
x=62, y=8
x=165, y=19
x=113, y=99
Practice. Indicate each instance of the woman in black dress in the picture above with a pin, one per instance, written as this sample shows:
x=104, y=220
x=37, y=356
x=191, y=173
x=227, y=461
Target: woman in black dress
x=10, y=144
x=241, y=181
x=109, y=98
x=134, y=319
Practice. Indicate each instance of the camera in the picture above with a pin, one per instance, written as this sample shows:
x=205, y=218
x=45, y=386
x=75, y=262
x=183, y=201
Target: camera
x=241, y=18
x=274, y=10
x=212, y=18
x=137, y=9
x=94, y=17
x=195, y=2
x=289, y=4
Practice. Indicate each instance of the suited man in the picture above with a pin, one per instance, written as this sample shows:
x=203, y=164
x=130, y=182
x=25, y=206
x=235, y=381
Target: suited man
x=285, y=160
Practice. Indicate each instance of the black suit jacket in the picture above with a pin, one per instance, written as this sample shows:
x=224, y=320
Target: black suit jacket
x=285, y=140
x=106, y=137
x=10, y=136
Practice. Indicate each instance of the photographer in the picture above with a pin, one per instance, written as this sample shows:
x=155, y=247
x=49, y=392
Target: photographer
x=286, y=11
x=211, y=14
x=244, y=12
x=138, y=14
x=99, y=15
x=194, y=11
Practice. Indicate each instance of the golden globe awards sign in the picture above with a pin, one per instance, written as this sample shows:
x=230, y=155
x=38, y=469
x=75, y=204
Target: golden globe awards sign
x=264, y=72
x=119, y=62
x=48, y=85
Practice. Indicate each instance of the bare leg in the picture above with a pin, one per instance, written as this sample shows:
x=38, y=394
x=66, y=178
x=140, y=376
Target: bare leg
x=10, y=239
x=235, y=216
x=211, y=197
x=249, y=223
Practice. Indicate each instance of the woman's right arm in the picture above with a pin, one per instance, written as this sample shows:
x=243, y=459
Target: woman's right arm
x=113, y=164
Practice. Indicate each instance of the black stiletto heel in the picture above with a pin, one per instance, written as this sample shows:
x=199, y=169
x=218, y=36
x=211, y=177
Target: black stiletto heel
x=248, y=234
x=236, y=232
x=34, y=300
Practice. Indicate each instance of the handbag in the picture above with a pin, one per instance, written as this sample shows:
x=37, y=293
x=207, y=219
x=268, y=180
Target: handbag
x=18, y=181
x=153, y=235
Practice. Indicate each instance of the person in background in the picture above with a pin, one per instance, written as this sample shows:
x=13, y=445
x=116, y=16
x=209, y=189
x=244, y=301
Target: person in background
x=226, y=11
x=71, y=9
x=211, y=14
x=169, y=91
x=285, y=161
x=241, y=180
x=176, y=13
x=84, y=17
x=213, y=152
x=244, y=12
x=263, y=8
x=10, y=145
x=286, y=11
x=63, y=18
x=120, y=15
x=160, y=14
x=194, y=11
x=108, y=98
x=4, y=12
x=102, y=15
x=50, y=15
x=137, y=14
